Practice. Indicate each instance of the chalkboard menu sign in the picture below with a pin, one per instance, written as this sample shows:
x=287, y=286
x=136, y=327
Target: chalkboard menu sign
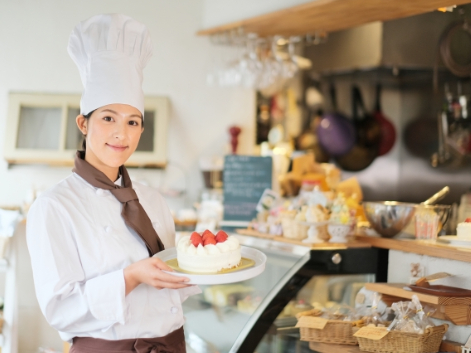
x=245, y=179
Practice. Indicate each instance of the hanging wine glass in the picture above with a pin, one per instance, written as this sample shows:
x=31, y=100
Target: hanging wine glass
x=290, y=65
x=250, y=65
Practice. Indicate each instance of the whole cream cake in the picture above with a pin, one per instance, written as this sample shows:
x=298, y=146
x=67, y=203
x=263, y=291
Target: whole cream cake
x=208, y=253
x=463, y=230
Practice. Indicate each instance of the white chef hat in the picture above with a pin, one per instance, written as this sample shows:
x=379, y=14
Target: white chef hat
x=110, y=51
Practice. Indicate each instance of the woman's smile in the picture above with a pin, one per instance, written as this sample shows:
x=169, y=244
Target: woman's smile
x=117, y=148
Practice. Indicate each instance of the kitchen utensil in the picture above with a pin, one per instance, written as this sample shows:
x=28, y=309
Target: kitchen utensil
x=442, y=291
x=443, y=155
x=443, y=212
x=335, y=132
x=421, y=137
x=426, y=224
x=368, y=137
x=437, y=196
x=388, y=218
x=456, y=35
x=308, y=139
x=425, y=281
x=388, y=131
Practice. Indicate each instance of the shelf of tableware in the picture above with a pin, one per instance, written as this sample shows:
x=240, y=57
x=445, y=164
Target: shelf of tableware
x=420, y=247
x=329, y=16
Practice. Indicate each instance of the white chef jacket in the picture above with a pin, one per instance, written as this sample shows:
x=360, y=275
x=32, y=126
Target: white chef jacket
x=79, y=245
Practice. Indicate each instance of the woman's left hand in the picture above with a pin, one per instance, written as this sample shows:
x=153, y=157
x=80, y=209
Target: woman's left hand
x=150, y=271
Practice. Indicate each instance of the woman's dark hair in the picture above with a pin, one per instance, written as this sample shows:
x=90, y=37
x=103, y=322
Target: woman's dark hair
x=87, y=116
x=84, y=142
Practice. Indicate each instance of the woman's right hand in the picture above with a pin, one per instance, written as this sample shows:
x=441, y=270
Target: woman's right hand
x=149, y=271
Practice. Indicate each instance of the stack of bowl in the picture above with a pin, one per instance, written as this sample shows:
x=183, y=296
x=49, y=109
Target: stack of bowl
x=389, y=218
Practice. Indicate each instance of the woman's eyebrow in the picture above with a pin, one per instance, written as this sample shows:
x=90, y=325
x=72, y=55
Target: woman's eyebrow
x=109, y=110
x=131, y=116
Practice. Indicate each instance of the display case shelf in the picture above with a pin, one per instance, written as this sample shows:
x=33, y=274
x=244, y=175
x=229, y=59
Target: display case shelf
x=292, y=271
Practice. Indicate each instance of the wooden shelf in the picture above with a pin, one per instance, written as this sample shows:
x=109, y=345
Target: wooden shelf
x=421, y=247
x=454, y=309
x=330, y=16
x=320, y=246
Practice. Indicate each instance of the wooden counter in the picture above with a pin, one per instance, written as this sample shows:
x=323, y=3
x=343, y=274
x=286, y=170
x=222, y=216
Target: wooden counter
x=421, y=247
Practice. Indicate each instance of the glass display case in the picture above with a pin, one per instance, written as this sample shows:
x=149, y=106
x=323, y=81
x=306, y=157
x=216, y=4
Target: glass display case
x=257, y=315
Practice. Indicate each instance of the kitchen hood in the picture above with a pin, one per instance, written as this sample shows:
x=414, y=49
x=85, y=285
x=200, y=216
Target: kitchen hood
x=407, y=43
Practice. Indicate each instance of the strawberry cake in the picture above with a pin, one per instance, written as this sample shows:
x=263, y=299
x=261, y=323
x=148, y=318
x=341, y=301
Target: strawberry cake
x=463, y=230
x=208, y=253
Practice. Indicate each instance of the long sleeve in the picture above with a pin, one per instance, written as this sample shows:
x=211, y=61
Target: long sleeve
x=70, y=302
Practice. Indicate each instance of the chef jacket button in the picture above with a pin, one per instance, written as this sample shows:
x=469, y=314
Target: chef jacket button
x=174, y=310
x=100, y=192
x=108, y=229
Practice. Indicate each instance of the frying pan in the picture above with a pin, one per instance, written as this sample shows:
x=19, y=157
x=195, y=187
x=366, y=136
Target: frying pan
x=368, y=137
x=421, y=137
x=335, y=132
x=388, y=131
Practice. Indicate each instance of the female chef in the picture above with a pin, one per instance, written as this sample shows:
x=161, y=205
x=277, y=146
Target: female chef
x=92, y=236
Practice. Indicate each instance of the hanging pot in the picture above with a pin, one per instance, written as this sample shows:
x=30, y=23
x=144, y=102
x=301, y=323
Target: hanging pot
x=388, y=131
x=421, y=137
x=335, y=131
x=368, y=137
x=308, y=140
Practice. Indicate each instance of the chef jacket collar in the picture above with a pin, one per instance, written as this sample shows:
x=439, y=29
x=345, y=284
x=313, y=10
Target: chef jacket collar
x=119, y=181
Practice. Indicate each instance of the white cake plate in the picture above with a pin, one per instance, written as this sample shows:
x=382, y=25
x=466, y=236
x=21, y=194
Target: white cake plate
x=221, y=278
x=454, y=240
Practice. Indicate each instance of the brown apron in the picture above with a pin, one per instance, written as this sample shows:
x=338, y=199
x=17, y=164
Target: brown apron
x=174, y=342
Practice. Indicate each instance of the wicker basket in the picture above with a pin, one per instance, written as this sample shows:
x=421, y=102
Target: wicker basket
x=405, y=342
x=293, y=229
x=336, y=331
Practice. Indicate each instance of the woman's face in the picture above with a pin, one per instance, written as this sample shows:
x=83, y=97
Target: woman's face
x=113, y=133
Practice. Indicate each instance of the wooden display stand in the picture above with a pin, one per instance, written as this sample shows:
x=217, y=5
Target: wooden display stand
x=454, y=309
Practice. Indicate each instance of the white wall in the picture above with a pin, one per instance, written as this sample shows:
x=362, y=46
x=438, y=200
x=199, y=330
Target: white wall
x=33, y=58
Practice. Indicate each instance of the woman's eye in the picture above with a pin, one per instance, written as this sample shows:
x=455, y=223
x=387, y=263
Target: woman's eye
x=107, y=118
x=134, y=123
